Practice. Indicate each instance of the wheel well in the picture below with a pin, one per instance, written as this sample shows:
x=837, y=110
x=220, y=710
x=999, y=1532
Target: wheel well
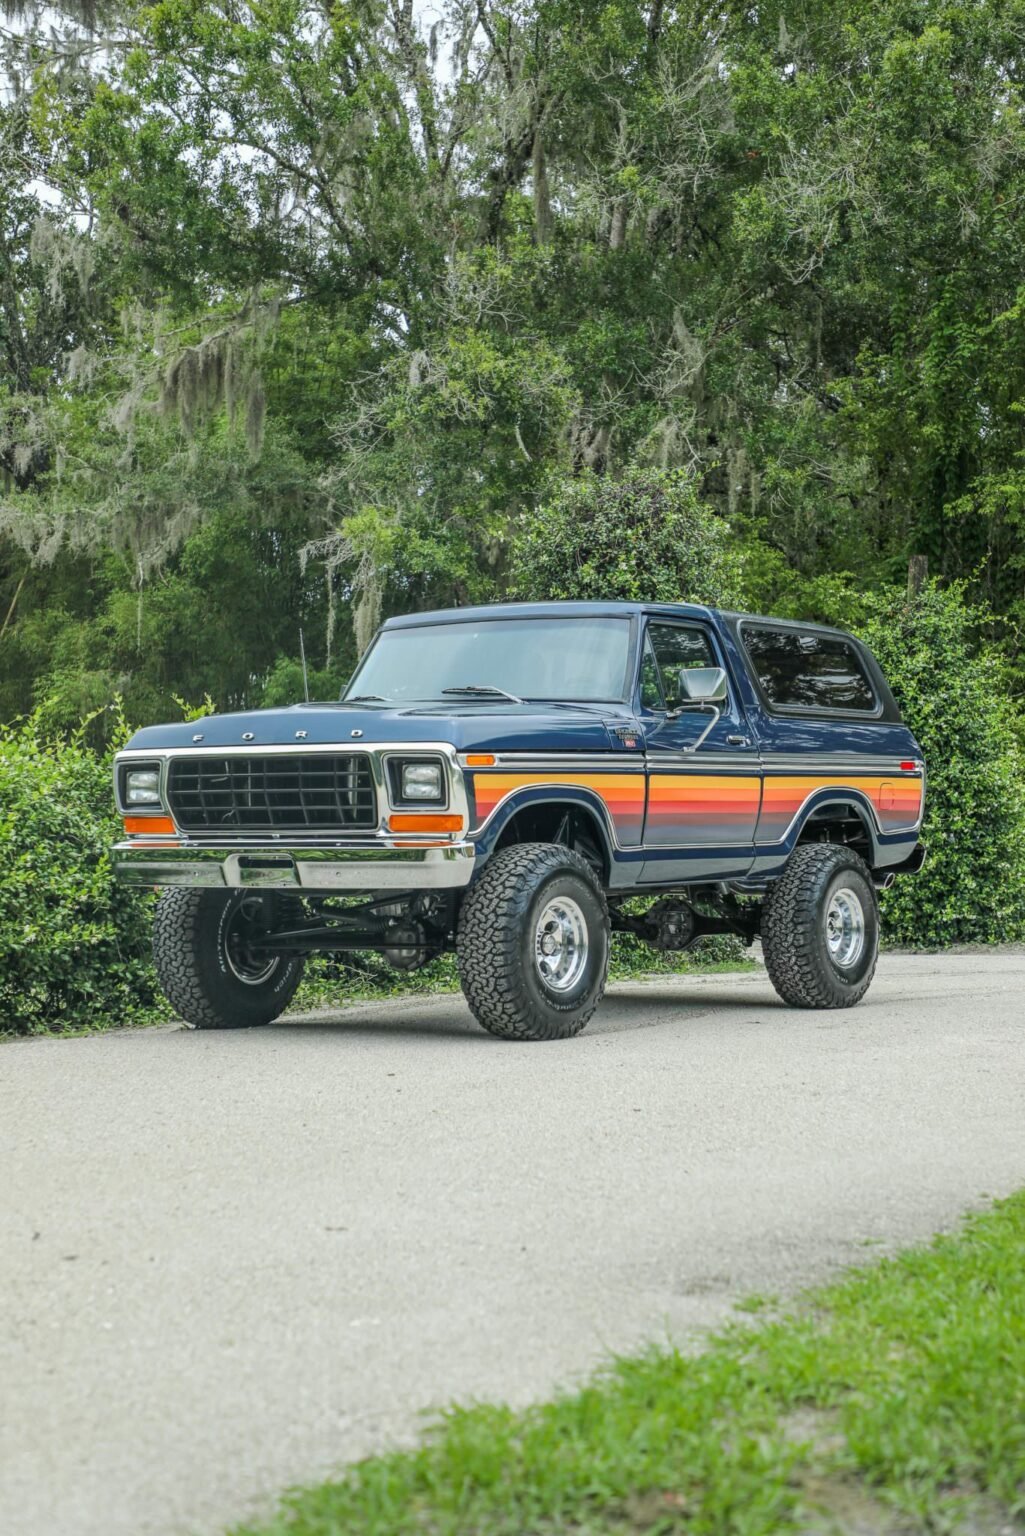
x=561, y=822
x=845, y=823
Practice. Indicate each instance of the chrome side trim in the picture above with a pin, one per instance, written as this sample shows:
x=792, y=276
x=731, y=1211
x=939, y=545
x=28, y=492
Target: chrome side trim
x=743, y=760
x=541, y=762
x=841, y=762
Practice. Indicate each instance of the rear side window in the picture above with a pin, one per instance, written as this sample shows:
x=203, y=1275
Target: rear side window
x=804, y=670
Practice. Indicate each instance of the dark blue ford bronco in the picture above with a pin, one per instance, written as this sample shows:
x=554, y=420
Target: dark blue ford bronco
x=511, y=783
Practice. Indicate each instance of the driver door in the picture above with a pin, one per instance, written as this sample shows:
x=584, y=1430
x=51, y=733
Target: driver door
x=704, y=770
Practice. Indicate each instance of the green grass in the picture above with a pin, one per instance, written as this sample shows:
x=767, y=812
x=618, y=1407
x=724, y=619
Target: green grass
x=333, y=981
x=889, y=1402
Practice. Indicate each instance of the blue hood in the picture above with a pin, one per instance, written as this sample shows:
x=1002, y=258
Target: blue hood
x=493, y=727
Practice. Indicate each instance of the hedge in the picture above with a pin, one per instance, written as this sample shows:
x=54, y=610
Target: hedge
x=74, y=946
x=951, y=690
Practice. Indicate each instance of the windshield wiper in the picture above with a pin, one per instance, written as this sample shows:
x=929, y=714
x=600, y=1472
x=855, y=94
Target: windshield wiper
x=484, y=690
x=364, y=698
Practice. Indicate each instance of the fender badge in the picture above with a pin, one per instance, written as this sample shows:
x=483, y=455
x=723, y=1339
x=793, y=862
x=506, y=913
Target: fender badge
x=199, y=737
x=355, y=733
x=626, y=736
x=248, y=736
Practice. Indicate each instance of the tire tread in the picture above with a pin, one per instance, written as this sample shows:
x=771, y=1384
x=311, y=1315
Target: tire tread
x=791, y=916
x=489, y=939
x=181, y=927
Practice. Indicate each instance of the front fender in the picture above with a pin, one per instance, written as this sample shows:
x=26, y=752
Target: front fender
x=578, y=796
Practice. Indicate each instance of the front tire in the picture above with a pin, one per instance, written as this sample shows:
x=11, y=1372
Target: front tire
x=207, y=971
x=533, y=943
x=820, y=928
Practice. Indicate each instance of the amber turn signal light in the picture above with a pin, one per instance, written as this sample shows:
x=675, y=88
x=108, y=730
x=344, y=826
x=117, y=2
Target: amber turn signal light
x=425, y=822
x=149, y=826
x=480, y=759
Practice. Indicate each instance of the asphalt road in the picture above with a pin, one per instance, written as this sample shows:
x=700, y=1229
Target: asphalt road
x=229, y=1262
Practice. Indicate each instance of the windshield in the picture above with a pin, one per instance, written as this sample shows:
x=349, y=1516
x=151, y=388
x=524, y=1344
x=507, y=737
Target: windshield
x=552, y=658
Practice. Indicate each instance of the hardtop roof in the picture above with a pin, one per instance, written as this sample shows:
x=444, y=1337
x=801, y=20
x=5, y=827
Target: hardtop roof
x=614, y=608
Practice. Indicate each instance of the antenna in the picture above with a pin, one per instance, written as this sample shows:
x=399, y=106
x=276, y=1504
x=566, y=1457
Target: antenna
x=306, y=676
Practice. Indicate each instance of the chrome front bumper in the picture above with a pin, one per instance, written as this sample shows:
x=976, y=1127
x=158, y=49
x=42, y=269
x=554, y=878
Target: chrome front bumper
x=372, y=865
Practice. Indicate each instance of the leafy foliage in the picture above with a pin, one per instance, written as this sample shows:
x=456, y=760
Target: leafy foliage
x=972, y=889
x=644, y=537
x=776, y=247
x=74, y=946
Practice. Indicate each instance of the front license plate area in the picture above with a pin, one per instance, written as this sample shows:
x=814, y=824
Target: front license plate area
x=265, y=870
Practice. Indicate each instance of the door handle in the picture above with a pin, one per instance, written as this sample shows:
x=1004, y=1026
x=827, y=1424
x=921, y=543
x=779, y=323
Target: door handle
x=738, y=741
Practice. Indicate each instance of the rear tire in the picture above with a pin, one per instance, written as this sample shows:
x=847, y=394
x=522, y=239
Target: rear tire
x=820, y=928
x=533, y=943
x=205, y=970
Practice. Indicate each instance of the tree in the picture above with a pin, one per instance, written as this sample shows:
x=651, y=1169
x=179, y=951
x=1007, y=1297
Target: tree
x=775, y=247
x=645, y=537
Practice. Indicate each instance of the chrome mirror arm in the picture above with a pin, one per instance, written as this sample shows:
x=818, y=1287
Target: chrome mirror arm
x=674, y=714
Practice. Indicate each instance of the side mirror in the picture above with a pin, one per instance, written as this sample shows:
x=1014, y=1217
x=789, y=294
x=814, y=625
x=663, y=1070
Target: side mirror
x=701, y=685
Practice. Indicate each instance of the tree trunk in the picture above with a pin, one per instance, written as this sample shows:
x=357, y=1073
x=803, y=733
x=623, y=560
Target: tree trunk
x=918, y=574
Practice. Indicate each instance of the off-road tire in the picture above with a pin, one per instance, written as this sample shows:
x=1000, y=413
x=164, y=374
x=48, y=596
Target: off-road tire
x=192, y=966
x=793, y=928
x=495, y=943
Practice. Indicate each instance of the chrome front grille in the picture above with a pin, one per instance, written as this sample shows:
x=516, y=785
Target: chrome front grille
x=310, y=791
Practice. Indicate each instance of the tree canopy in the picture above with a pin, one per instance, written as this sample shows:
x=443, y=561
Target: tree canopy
x=306, y=309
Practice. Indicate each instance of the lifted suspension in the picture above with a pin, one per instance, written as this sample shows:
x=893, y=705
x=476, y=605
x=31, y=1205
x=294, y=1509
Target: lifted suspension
x=673, y=924
x=407, y=929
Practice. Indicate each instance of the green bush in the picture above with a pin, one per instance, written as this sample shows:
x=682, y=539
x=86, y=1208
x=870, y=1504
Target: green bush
x=74, y=946
x=953, y=697
x=644, y=537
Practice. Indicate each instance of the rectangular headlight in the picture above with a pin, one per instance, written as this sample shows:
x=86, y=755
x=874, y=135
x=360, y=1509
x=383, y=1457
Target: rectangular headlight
x=422, y=781
x=142, y=786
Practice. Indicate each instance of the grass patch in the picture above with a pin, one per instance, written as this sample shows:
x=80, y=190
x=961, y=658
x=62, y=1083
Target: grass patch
x=889, y=1402
x=334, y=980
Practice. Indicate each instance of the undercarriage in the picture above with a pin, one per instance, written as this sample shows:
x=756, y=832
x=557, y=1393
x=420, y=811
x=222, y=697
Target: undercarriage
x=407, y=929
x=410, y=929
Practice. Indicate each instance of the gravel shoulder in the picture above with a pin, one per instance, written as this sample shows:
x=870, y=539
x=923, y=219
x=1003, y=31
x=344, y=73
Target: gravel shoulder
x=233, y=1261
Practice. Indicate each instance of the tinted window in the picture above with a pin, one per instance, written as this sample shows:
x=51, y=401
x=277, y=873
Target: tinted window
x=668, y=647
x=808, y=671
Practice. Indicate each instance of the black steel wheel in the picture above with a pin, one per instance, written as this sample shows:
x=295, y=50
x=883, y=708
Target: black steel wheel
x=533, y=943
x=820, y=928
x=205, y=945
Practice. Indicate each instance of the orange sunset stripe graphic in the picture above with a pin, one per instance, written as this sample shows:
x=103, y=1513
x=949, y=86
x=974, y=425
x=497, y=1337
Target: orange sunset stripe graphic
x=721, y=808
x=702, y=808
x=897, y=800
x=623, y=794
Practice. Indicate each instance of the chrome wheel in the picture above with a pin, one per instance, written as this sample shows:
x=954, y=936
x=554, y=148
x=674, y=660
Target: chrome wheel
x=845, y=929
x=246, y=966
x=560, y=944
